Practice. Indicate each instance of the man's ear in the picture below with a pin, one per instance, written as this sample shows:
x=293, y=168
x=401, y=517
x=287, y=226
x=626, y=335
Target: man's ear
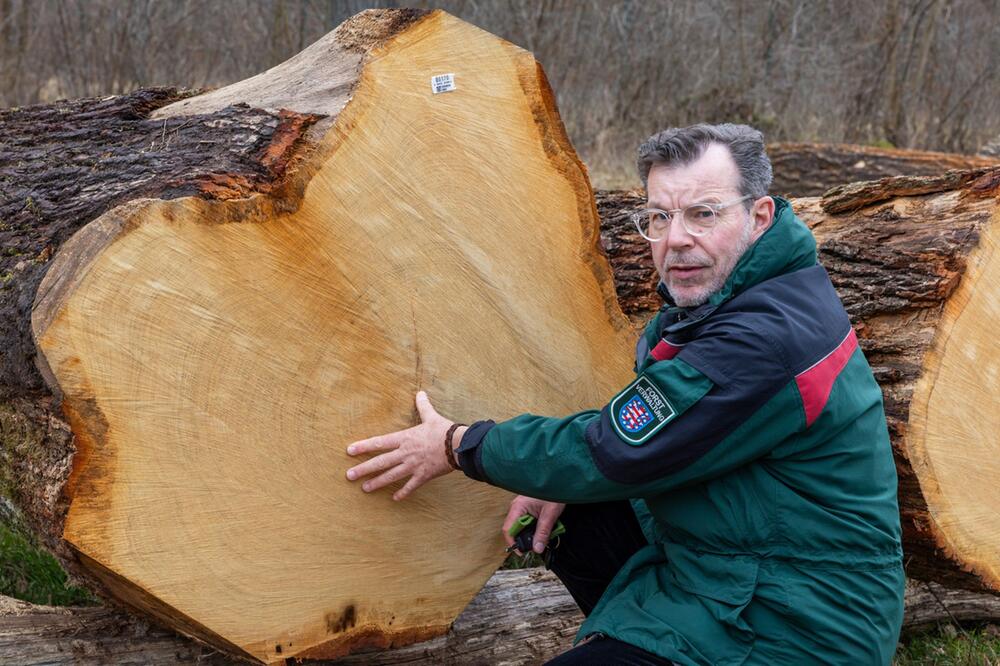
x=763, y=216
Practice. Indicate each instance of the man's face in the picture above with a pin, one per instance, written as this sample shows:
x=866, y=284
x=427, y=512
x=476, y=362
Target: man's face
x=695, y=267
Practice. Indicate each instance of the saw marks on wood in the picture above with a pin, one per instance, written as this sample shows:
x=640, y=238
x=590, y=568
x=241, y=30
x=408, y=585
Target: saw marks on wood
x=229, y=351
x=955, y=416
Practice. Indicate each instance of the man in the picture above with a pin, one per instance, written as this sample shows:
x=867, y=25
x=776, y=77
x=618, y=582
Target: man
x=736, y=503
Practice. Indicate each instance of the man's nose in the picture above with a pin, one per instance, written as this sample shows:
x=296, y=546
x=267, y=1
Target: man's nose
x=677, y=236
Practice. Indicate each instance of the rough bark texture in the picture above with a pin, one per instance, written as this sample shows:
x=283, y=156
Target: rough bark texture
x=635, y=277
x=34, y=635
x=520, y=617
x=61, y=166
x=895, y=260
x=810, y=169
x=855, y=196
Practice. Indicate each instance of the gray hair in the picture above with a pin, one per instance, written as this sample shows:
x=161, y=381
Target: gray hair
x=682, y=145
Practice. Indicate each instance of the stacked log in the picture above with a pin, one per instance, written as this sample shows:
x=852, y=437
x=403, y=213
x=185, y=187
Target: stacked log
x=210, y=294
x=522, y=616
x=810, y=169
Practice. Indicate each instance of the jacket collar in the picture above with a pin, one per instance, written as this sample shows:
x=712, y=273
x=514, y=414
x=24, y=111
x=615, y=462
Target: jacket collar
x=786, y=246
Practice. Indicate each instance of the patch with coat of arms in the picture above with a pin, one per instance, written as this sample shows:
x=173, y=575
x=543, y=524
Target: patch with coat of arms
x=640, y=411
x=634, y=414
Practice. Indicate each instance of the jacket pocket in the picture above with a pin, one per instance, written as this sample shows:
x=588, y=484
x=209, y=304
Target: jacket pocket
x=715, y=589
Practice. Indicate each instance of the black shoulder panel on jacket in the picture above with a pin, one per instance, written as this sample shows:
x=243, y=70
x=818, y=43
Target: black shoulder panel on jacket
x=750, y=348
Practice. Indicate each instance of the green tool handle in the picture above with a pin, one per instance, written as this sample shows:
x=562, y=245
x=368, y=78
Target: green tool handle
x=528, y=519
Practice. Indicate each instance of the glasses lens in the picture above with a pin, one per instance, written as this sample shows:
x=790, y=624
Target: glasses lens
x=699, y=219
x=652, y=223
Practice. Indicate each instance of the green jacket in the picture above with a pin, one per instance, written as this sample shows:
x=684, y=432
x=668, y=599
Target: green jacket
x=754, y=447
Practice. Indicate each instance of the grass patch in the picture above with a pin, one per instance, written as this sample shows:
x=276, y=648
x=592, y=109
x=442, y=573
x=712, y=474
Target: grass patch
x=515, y=561
x=948, y=646
x=31, y=574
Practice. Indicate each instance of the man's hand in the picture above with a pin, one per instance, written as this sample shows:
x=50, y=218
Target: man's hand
x=545, y=512
x=416, y=452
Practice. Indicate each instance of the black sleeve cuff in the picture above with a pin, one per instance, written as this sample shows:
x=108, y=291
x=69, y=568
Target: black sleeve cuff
x=470, y=453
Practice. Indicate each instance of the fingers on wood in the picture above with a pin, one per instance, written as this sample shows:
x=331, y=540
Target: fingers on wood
x=394, y=474
x=407, y=489
x=382, y=442
x=424, y=407
x=374, y=465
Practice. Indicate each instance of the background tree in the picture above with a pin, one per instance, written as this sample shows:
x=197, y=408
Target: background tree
x=910, y=73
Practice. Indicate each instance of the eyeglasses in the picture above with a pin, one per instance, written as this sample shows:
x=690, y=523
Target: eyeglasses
x=698, y=219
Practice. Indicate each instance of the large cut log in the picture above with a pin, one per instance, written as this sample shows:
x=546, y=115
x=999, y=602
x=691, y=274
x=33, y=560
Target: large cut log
x=210, y=356
x=520, y=617
x=916, y=262
x=254, y=516
x=810, y=169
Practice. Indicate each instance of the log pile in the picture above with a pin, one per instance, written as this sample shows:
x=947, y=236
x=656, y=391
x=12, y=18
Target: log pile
x=810, y=169
x=519, y=617
x=205, y=296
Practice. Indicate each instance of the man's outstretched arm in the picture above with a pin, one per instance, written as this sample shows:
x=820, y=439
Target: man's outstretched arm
x=724, y=401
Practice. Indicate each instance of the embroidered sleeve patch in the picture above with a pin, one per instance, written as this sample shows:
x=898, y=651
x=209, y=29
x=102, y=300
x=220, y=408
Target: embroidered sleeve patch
x=640, y=411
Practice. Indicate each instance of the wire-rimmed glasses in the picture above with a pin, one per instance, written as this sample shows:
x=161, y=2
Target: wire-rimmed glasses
x=698, y=219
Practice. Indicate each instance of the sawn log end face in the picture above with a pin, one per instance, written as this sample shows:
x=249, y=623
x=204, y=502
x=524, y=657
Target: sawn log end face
x=216, y=356
x=953, y=440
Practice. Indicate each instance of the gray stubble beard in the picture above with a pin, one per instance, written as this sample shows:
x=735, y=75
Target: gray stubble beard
x=720, y=280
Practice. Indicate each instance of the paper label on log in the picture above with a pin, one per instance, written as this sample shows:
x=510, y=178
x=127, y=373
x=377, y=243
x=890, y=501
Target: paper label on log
x=640, y=411
x=443, y=83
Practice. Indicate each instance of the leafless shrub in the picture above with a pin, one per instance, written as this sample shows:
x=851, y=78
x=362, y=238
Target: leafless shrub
x=909, y=73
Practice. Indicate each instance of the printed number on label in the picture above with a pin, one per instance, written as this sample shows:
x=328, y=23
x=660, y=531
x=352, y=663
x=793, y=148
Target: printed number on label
x=443, y=83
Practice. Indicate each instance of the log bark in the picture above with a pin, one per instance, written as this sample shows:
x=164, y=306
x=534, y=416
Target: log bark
x=907, y=266
x=492, y=626
x=519, y=617
x=915, y=262
x=214, y=340
x=810, y=169
x=63, y=165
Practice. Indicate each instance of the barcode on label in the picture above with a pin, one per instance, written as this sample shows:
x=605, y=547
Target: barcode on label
x=442, y=83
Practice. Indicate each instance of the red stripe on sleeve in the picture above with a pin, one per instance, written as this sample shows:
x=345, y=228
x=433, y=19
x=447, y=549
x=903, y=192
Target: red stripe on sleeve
x=816, y=383
x=664, y=351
